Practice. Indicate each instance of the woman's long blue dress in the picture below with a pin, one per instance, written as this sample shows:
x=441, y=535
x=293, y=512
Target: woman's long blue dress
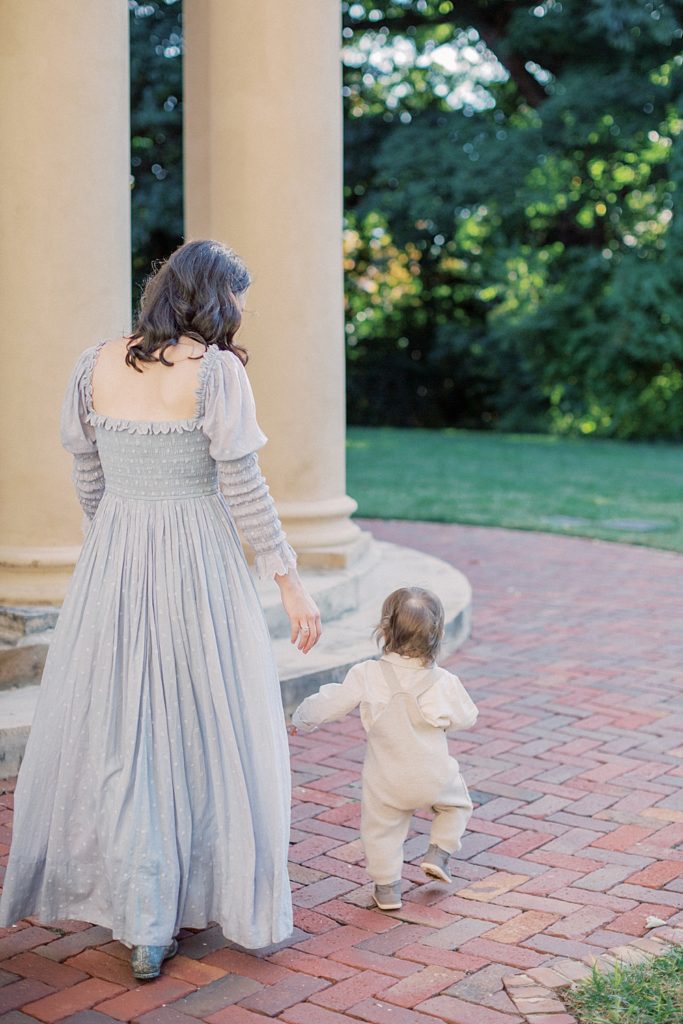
x=154, y=793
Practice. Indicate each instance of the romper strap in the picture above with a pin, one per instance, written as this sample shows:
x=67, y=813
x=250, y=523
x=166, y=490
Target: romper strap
x=394, y=684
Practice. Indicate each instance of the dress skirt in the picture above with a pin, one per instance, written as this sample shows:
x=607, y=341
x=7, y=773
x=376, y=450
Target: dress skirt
x=155, y=790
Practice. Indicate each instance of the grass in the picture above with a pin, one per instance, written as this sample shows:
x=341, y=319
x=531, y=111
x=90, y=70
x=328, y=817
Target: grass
x=650, y=993
x=613, y=490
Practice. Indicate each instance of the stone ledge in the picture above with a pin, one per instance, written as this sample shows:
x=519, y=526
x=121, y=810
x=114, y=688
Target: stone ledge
x=535, y=992
x=350, y=601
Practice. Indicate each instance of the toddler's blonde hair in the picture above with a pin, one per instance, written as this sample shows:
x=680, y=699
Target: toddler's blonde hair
x=411, y=624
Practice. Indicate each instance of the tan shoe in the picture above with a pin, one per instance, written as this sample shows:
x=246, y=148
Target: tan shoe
x=388, y=897
x=435, y=864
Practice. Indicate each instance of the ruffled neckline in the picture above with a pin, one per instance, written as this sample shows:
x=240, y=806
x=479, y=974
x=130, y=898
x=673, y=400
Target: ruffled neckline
x=147, y=426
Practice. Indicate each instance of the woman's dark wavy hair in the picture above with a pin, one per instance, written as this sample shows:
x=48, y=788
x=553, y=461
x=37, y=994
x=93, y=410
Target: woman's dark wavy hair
x=191, y=294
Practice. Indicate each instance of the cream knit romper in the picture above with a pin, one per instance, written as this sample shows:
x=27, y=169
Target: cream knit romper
x=408, y=767
x=406, y=710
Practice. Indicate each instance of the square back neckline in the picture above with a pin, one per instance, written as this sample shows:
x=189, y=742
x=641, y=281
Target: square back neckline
x=99, y=419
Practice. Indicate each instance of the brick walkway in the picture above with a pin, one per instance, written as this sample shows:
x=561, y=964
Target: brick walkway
x=576, y=767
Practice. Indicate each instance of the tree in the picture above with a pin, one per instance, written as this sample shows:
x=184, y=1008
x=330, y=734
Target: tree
x=156, y=134
x=532, y=189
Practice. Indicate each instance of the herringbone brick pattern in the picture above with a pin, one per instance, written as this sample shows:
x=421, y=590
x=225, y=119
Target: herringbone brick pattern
x=576, y=768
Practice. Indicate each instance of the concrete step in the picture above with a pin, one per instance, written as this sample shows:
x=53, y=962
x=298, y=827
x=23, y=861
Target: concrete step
x=346, y=633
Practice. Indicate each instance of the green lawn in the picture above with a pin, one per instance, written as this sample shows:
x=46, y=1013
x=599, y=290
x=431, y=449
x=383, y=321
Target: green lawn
x=614, y=490
x=649, y=993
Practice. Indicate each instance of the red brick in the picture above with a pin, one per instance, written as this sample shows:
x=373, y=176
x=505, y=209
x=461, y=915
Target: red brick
x=519, y=928
x=82, y=996
x=149, y=996
x=520, y=844
x=311, y=921
x=69, y=945
x=233, y=1015
x=317, y=966
x=500, y=953
x=108, y=968
x=17, y=993
x=455, y=1011
x=402, y=935
x=209, y=999
x=623, y=838
x=418, y=987
x=302, y=1013
x=22, y=939
x=658, y=874
x=366, y=960
x=348, y=913
x=346, y=993
x=480, y=986
x=549, y=882
x=482, y=911
x=321, y=892
x=162, y=1015
x=453, y=959
x=581, y=922
x=495, y=884
x=386, y=1013
x=233, y=961
x=633, y=921
x=30, y=965
x=299, y=853
x=565, y=860
x=194, y=972
x=278, y=997
x=330, y=942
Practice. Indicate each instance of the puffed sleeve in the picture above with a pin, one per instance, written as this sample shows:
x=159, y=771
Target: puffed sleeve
x=77, y=435
x=230, y=412
x=234, y=435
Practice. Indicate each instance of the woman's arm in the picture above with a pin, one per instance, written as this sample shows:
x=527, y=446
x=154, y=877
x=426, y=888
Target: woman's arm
x=253, y=509
x=88, y=479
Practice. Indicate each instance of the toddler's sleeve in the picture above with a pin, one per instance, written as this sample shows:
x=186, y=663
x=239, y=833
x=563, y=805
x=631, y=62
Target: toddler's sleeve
x=462, y=710
x=331, y=702
x=77, y=436
x=234, y=435
x=448, y=705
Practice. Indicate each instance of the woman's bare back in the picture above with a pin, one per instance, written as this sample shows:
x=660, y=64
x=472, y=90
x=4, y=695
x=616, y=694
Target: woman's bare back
x=158, y=393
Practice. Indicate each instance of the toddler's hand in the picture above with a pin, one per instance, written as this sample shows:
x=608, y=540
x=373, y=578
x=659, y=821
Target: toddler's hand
x=291, y=729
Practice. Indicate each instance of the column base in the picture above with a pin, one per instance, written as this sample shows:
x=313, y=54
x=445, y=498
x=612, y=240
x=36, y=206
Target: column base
x=322, y=533
x=31, y=576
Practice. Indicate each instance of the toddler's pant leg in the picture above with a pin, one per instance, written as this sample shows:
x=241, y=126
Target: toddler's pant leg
x=452, y=811
x=383, y=831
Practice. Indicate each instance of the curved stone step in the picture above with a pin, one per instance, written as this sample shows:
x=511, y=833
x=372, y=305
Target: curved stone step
x=350, y=603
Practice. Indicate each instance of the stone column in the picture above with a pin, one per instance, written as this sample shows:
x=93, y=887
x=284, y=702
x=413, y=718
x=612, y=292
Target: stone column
x=64, y=261
x=263, y=173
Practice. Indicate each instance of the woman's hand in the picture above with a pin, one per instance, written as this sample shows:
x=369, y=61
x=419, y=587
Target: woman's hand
x=301, y=609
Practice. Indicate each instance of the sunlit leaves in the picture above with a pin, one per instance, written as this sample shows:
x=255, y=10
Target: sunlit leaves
x=551, y=255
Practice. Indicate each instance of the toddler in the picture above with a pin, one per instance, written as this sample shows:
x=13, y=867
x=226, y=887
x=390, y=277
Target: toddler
x=407, y=704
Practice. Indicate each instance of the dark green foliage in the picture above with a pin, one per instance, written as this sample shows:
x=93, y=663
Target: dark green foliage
x=156, y=133
x=539, y=219
x=514, y=251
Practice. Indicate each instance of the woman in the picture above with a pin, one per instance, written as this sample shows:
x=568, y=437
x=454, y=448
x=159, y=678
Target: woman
x=154, y=793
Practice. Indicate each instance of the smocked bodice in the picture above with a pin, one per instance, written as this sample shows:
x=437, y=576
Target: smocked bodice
x=156, y=465
x=212, y=452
